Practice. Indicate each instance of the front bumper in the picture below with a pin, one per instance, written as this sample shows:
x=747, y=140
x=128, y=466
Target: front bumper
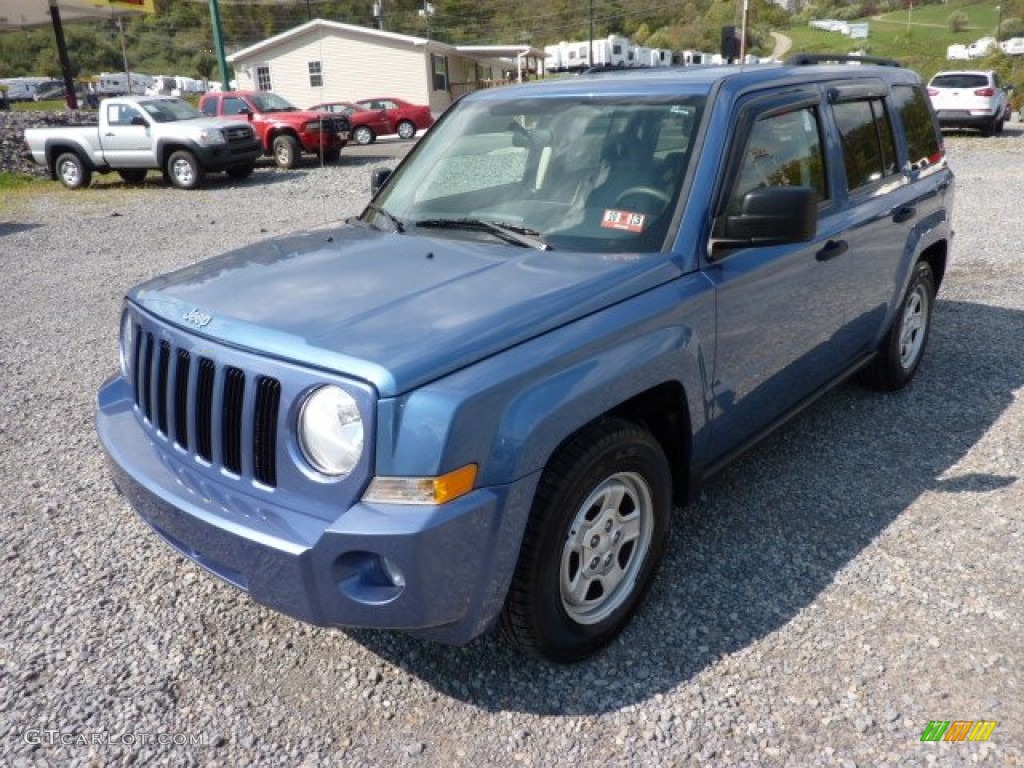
x=221, y=156
x=438, y=572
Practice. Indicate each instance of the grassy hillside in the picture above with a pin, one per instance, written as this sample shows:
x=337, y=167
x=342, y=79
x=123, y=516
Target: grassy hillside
x=918, y=39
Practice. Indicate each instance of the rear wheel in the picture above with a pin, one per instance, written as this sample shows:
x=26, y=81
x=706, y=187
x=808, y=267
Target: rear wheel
x=286, y=151
x=903, y=346
x=406, y=129
x=595, y=536
x=132, y=175
x=72, y=171
x=184, y=170
x=331, y=155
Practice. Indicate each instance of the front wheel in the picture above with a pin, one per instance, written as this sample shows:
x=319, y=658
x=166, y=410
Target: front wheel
x=406, y=129
x=184, y=170
x=286, y=152
x=72, y=171
x=903, y=346
x=363, y=135
x=595, y=536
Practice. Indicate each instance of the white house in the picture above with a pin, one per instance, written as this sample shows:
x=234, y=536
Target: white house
x=323, y=60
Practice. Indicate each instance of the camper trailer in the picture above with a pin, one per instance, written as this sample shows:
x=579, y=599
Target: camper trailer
x=117, y=84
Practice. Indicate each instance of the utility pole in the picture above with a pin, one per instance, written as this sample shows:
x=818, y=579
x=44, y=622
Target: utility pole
x=218, y=43
x=590, y=61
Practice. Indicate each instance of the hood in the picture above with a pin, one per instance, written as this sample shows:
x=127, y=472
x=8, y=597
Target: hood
x=395, y=310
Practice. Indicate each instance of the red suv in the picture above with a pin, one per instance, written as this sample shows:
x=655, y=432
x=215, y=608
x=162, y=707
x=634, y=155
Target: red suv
x=284, y=131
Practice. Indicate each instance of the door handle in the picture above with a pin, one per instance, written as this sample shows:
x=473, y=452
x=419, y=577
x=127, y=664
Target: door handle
x=904, y=213
x=831, y=249
x=110, y=134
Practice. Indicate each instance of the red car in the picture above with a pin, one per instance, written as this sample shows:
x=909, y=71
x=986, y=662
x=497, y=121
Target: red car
x=284, y=131
x=367, y=124
x=405, y=118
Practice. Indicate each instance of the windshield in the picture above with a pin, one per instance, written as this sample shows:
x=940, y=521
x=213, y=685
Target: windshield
x=270, y=102
x=170, y=110
x=583, y=173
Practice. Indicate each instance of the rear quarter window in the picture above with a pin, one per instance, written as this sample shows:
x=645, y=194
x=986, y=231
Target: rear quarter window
x=869, y=150
x=923, y=146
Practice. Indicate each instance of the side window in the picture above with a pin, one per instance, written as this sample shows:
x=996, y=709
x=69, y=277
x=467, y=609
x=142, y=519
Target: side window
x=922, y=138
x=121, y=114
x=209, y=107
x=782, y=151
x=234, y=105
x=869, y=150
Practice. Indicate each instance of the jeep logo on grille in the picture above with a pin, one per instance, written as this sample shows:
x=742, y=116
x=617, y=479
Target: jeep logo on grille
x=197, y=318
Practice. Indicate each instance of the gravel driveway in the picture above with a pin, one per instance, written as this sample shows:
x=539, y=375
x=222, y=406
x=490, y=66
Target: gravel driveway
x=853, y=578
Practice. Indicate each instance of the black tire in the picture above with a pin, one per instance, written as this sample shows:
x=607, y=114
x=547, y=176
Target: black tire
x=406, y=129
x=286, y=152
x=901, y=350
x=132, y=175
x=184, y=171
x=72, y=171
x=363, y=135
x=584, y=565
x=331, y=155
x=241, y=171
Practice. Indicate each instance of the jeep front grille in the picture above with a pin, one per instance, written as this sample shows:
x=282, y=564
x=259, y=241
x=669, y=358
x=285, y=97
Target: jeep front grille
x=202, y=407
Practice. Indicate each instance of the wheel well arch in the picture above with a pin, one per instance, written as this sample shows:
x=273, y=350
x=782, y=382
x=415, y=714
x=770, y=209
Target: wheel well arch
x=282, y=130
x=53, y=151
x=663, y=410
x=936, y=255
x=168, y=149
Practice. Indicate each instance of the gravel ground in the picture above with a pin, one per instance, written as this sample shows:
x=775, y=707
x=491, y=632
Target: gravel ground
x=851, y=579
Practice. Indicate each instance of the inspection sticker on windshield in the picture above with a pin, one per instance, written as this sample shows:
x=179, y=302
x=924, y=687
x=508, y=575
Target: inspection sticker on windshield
x=626, y=220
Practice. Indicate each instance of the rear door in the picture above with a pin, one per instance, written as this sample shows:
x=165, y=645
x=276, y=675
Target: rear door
x=886, y=198
x=778, y=307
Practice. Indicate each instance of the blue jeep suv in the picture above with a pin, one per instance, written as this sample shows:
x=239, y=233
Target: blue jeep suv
x=476, y=404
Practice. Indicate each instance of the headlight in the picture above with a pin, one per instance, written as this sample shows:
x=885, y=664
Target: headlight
x=331, y=431
x=127, y=343
x=211, y=136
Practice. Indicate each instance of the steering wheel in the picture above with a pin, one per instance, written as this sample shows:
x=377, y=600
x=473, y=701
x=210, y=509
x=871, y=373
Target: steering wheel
x=659, y=198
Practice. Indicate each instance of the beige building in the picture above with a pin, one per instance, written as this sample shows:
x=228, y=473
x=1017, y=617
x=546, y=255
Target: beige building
x=323, y=61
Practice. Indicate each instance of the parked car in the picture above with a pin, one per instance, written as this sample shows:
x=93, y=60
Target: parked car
x=477, y=404
x=365, y=125
x=405, y=118
x=138, y=133
x=969, y=99
x=284, y=130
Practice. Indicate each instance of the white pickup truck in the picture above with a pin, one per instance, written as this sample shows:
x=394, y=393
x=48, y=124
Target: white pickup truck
x=138, y=133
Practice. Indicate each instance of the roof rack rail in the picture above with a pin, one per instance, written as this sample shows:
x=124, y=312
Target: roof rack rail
x=804, y=59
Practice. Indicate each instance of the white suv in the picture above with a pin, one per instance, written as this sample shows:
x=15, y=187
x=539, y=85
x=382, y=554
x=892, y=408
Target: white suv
x=969, y=99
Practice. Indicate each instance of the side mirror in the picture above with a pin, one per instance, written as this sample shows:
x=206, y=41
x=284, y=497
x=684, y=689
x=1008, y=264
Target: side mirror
x=378, y=178
x=772, y=216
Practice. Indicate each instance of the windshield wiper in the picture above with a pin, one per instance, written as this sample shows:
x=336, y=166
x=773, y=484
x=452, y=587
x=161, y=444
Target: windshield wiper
x=395, y=222
x=510, y=233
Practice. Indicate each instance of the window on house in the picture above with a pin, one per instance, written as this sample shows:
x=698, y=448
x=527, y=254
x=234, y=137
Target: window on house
x=316, y=75
x=869, y=150
x=439, y=68
x=263, y=78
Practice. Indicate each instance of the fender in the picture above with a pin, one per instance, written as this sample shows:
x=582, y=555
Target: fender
x=510, y=412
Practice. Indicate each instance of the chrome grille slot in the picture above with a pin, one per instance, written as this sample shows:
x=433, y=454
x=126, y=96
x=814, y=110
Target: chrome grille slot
x=147, y=379
x=181, y=373
x=204, y=408
x=264, y=438
x=231, y=419
x=161, y=386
